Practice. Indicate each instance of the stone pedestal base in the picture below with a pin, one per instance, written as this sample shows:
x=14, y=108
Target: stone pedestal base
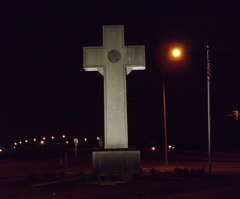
x=116, y=161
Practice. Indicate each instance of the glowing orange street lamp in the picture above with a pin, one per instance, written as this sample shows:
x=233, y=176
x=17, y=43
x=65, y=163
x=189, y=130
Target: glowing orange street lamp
x=175, y=53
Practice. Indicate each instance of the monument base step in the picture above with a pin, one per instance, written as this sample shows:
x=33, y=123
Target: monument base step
x=116, y=161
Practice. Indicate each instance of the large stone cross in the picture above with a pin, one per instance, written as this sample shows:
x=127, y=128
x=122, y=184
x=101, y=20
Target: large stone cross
x=114, y=61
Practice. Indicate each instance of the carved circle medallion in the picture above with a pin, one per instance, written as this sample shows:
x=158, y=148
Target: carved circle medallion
x=114, y=56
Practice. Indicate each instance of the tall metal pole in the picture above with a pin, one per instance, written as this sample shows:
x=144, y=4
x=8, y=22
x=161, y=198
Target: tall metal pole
x=209, y=115
x=165, y=120
x=176, y=53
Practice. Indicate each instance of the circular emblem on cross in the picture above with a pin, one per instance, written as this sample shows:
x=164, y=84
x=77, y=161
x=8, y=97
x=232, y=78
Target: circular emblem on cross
x=114, y=56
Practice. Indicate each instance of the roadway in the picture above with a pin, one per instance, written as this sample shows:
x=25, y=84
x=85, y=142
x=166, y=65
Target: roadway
x=223, y=183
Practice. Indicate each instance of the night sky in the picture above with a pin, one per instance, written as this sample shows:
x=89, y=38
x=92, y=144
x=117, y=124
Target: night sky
x=45, y=90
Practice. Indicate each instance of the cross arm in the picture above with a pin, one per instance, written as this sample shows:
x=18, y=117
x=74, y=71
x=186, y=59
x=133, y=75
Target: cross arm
x=135, y=58
x=93, y=59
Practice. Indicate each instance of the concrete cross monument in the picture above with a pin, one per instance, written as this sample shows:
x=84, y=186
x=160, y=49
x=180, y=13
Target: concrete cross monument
x=114, y=61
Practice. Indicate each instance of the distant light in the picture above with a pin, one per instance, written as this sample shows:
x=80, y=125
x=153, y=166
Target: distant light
x=170, y=147
x=63, y=136
x=66, y=142
x=85, y=139
x=20, y=142
x=1, y=150
x=34, y=139
x=14, y=147
x=42, y=142
x=236, y=114
x=15, y=143
x=44, y=138
x=53, y=137
x=153, y=148
x=26, y=141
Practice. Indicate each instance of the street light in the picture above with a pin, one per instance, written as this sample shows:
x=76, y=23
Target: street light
x=175, y=54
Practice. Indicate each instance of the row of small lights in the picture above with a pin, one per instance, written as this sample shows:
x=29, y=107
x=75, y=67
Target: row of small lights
x=42, y=141
x=170, y=148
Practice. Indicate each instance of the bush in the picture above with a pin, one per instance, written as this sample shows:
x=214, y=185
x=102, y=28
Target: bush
x=181, y=172
x=197, y=172
x=49, y=176
x=31, y=179
x=154, y=174
x=184, y=172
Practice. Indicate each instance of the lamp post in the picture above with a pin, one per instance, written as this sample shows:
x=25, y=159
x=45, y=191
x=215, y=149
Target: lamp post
x=75, y=143
x=175, y=53
x=165, y=120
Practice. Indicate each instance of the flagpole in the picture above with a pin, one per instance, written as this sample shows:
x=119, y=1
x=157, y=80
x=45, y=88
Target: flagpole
x=209, y=116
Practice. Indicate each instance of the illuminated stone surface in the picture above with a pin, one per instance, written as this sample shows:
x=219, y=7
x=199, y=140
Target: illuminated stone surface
x=114, y=61
x=116, y=161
